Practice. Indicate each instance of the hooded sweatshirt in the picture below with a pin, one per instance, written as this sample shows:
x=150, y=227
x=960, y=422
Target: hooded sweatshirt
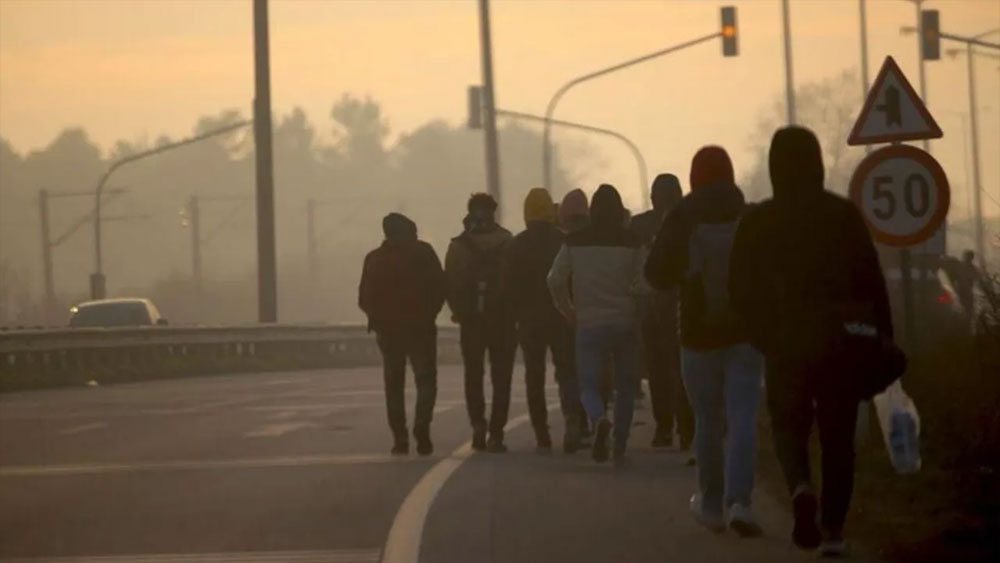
x=402, y=285
x=804, y=259
x=529, y=259
x=714, y=200
x=603, y=262
x=574, y=212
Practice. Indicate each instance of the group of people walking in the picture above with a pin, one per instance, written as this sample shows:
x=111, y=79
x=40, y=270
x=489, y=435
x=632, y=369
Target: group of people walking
x=705, y=294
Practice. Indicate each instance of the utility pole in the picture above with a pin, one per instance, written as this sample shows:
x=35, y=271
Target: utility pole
x=50, y=290
x=195, y=217
x=789, y=78
x=489, y=102
x=976, y=185
x=311, y=237
x=267, y=275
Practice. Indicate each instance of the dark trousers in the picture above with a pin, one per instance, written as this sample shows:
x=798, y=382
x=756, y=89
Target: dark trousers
x=420, y=347
x=537, y=337
x=480, y=336
x=662, y=353
x=796, y=396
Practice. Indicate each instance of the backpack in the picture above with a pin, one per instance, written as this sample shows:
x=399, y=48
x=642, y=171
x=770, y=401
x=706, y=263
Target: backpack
x=708, y=267
x=481, y=294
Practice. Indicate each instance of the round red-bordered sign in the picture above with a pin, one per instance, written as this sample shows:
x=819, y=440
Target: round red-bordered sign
x=902, y=193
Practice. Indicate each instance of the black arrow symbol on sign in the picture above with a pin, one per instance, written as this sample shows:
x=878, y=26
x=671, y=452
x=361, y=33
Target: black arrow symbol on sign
x=890, y=107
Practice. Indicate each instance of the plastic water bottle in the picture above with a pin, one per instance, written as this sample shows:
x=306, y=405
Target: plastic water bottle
x=904, y=442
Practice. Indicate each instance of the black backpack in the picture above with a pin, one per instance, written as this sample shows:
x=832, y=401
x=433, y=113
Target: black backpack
x=481, y=294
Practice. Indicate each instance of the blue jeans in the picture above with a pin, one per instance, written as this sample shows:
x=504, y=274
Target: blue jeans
x=724, y=388
x=594, y=346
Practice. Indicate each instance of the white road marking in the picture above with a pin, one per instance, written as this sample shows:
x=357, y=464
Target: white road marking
x=284, y=461
x=279, y=429
x=83, y=428
x=403, y=543
x=331, y=556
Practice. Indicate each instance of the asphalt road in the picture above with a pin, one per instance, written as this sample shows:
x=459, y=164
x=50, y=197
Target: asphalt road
x=294, y=467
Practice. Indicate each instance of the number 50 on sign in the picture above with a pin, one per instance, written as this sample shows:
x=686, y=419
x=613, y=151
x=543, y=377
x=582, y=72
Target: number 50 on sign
x=903, y=194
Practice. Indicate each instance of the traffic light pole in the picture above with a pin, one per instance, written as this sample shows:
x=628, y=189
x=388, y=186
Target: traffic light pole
x=789, y=77
x=551, y=108
x=489, y=102
x=267, y=275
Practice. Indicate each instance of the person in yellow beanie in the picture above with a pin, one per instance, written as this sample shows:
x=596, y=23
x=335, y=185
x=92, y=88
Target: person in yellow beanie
x=540, y=326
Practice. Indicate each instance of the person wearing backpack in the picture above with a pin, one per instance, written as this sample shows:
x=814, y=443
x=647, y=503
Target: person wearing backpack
x=660, y=342
x=721, y=371
x=473, y=270
x=402, y=291
x=803, y=269
x=540, y=326
x=594, y=284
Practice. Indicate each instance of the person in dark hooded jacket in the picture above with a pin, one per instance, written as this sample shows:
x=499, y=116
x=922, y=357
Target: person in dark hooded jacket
x=402, y=291
x=660, y=341
x=594, y=284
x=540, y=326
x=475, y=295
x=721, y=371
x=803, y=264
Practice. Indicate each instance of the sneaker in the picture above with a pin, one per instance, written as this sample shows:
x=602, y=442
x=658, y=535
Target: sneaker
x=543, y=442
x=571, y=437
x=743, y=522
x=496, y=446
x=600, y=451
x=806, y=533
x=424, y=445
x=663, y=438
x=479, y=437
x=833, y=548
x=713, y=523
x=618, y=455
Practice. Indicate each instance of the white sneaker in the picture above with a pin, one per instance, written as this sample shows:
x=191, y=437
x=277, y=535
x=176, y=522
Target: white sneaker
x=833, y=549
x=713, y=523
x=743, y=522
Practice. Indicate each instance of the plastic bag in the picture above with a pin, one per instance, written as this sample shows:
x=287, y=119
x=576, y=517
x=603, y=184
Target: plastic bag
x=900, y=423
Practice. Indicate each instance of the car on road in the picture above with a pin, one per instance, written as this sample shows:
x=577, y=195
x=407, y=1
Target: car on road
x=121, y=312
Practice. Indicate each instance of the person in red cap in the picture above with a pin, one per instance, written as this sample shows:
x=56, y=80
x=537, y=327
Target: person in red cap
x=721, y=371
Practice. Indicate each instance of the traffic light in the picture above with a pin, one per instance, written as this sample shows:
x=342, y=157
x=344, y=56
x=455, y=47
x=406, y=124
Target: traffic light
x=475, y=107
x=730, y=46
x=930, y=41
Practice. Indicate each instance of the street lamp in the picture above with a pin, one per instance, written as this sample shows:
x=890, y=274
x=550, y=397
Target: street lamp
x=728, y=32
x=97, y=284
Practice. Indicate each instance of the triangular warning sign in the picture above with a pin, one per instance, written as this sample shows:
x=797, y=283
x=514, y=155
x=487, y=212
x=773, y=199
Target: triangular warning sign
x=893, y=111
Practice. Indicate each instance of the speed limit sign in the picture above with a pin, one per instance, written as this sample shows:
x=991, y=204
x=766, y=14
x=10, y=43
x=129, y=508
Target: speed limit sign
x=903, y=194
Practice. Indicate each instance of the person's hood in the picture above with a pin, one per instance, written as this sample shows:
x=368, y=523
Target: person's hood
x=796, y=163
x=711, y=165
x=399, y=227
x=719, y=202
x=666, y=192
x=538, y=206
x=606, y=209
x=573, y=209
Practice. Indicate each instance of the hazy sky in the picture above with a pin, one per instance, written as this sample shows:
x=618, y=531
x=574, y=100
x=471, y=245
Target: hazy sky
x=135, y=68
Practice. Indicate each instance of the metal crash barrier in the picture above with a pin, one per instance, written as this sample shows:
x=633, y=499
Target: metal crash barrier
x=34, y=358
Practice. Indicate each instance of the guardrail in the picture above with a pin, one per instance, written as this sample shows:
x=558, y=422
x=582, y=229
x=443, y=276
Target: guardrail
x=36, y=358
